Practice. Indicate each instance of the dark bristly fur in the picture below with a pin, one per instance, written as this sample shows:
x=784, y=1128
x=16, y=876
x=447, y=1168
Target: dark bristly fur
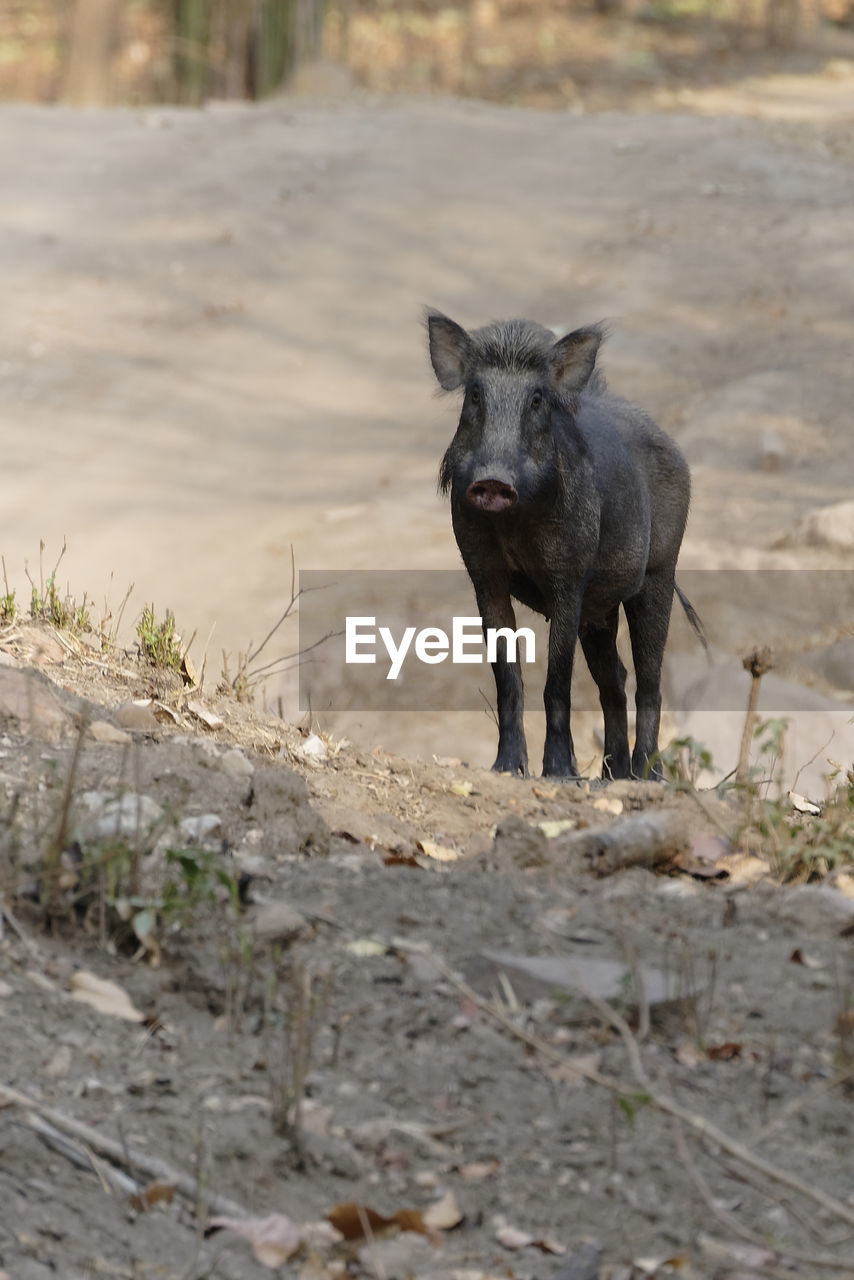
x=571, y=500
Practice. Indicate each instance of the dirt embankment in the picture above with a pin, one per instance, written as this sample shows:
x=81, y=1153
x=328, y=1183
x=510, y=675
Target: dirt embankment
x=433, y=964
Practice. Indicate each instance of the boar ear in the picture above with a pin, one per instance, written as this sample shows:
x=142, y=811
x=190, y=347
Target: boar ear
x=573, y=358
x=451, y=351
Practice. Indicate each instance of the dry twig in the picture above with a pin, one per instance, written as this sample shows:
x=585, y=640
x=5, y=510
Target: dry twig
x=119, y=1154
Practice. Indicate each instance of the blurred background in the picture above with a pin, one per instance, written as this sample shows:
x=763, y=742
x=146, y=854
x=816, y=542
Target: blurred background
x=546, y=53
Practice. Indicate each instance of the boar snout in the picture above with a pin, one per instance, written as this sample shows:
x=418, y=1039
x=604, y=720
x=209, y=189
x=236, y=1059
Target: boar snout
x=492, y=495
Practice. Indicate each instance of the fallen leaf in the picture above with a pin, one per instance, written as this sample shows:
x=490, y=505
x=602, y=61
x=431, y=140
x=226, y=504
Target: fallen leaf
x=359, y=1222
x=688, y=1054
x=438, y=852
x=802, y=805
x=447, y=762
x=724, y=1052
x=401, y=860
x=609, y=804
x=320, y=1235
x=552, y=827
x=443, y=1214
x=462, y=788
x=651, y=1267
x=103, y=995
x=274, y=1239
x=799, y=956
x=545, y=793
x=163, y=713
x=572, y=1070
x=154, y=1193
x=209, y=718
x=364, y=947
x=744, y=868
x=513, y=1238
x=480, y=1169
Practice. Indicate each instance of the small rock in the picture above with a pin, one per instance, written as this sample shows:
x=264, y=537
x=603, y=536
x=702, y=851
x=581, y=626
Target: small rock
x=582, y=1263
x=27, y=703
x=128, y=817
x=518, y=842
x=103, y=731
x=137, y=715
x=399, y=1258
x=195, y=830
x=235, y=764
x=60, y=1063
x=314, y=749
x=279, y=922
x=817, y=908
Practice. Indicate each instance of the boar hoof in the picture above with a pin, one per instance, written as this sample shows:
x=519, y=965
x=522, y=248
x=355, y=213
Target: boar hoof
x=512, y=761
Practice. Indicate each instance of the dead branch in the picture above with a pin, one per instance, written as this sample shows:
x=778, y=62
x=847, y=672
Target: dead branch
x=154, y=1168
x=640, y=840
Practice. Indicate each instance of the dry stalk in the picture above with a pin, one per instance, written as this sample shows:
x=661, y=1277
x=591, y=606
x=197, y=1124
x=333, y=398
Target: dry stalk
x=757, y=662
x=154, y=1168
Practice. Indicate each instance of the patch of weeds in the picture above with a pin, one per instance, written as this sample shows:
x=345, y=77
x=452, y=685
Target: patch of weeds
x=250, y=673
x=159, y=642
x=806, y=847
x=631, y=1103
x=108, y=627
x=799, y=846
x=48, y=604
x=682, y=761
x=8, y=603
x=198, y=877
x=291, y=1038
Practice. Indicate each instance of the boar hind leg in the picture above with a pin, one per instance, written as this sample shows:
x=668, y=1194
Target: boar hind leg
x=600, y=650
x=559, y=753
x=648, y=615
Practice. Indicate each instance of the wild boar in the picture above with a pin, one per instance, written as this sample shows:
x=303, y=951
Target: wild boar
x=571, y=500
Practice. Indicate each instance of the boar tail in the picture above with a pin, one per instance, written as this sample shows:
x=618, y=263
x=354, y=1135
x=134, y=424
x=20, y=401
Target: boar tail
x=693, y=617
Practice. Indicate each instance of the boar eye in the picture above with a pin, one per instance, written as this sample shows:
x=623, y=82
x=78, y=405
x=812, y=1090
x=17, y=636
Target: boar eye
x=536, y=399
x=474, y=394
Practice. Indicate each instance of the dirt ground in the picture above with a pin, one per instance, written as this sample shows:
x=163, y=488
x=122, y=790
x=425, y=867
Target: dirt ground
x=210, y=352
x=411, y=960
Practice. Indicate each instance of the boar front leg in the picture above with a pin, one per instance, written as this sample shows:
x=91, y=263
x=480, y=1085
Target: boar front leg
x=559, y=755
x=496, y=611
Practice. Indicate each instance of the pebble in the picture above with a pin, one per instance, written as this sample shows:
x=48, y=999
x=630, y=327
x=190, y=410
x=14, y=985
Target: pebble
x=103, y=731
x=124, y=817
x=279, y=922
x=199, y=828
x=134, y=715
x=235, y=764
